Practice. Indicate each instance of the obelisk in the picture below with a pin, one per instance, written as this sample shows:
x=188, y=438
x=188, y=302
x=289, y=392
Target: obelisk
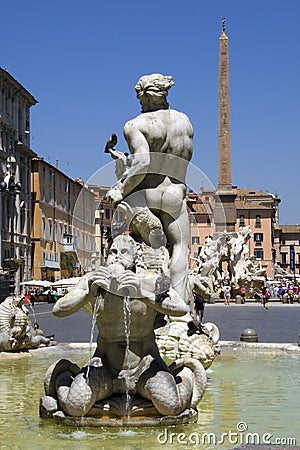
x=225, y=219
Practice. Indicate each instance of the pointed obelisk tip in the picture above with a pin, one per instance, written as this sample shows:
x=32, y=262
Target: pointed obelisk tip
x=223, y=24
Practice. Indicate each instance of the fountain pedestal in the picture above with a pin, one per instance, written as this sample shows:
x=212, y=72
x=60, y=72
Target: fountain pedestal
x=187, y=416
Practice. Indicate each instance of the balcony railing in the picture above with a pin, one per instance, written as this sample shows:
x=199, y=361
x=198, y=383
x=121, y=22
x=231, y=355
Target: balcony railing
x=51, y=260
x=69, y=243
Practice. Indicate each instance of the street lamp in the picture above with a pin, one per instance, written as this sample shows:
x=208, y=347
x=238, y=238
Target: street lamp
x=11, y=187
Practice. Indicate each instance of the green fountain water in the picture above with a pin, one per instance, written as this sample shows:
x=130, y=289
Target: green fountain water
x=249, y=393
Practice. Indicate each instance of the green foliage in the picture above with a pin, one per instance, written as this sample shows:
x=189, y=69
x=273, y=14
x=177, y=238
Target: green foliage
x=68, y=262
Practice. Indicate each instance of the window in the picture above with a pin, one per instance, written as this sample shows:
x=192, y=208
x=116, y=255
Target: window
x=55, y=231
x=284, y=258
x=208, y=221
x=61, y=233
x=193, y=219
x=50, y=231
x=23, y=220
x=257, y=221
x=242, y=220
x=258, y=253
x=195, y=240
x=107, y=213
x=258, y=237
x=43, y=228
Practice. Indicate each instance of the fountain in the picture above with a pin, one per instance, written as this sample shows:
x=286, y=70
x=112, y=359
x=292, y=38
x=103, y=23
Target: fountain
x=144, y=280
x=230, y=247
x=144, y=283
x=16, y=331
x=228, y=404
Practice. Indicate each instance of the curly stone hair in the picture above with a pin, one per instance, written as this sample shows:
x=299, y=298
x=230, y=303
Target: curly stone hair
x=155, y=86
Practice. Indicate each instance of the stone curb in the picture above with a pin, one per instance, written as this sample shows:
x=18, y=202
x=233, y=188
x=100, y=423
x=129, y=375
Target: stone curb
x=261, y=345
x=62, y=348
x=59, y=348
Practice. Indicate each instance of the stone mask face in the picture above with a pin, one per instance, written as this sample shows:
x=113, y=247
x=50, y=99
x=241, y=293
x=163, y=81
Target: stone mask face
x=121, y=253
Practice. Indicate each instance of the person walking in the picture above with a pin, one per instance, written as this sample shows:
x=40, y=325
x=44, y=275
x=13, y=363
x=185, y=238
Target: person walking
x=227, y=295
x=257, y=296
x=199, y=303
x=265, y=298
x=243, y=293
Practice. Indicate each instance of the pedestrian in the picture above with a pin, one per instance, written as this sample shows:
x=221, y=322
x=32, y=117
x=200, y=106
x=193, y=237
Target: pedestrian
x=32, y=297
x=199, y=303
x=265, y=298
x=285, y=297
x=291, y=295
x=257, y=296
x=227, y=295
x=243, y=293
x=282, y=293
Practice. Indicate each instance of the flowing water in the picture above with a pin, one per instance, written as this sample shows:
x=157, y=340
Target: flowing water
x=250, y=395
x=127, y=320
x=32, y=310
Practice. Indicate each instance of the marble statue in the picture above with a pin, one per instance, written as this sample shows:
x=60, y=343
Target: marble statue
x=177, y=336
x=237, y=251
x=144, y=281
x=153, y=193
x=200, y=342
x=142, y=371
x=231, y=247
x=279, y=271
x=16, y=330
x=122, y=160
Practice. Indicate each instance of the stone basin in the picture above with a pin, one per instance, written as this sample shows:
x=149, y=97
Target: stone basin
x=253, y=389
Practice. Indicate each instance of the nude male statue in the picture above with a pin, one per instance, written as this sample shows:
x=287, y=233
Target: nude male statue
x=153, y=192
x=111, y=371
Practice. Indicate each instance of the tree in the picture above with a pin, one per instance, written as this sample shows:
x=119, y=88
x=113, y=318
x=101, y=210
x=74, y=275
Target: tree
x=68, y=262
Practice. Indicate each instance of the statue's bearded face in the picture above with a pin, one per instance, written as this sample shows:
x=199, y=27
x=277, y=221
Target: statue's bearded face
x=122, y=252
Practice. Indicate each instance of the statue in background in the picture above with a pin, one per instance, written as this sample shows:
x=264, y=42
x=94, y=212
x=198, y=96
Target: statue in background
x=231, y=248
x=16, y=330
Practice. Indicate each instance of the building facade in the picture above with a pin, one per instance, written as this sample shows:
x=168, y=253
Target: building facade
x=15, y=167
x=287, y=249
x=254, y=208
x=107, y=219
x=63, y=224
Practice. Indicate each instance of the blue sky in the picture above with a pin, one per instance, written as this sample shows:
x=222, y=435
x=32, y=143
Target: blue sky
x=81, y=61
